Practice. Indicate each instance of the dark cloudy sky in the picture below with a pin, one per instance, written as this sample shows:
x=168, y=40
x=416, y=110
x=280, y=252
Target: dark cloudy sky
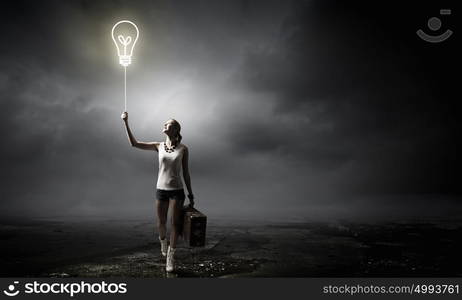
x=289, y=108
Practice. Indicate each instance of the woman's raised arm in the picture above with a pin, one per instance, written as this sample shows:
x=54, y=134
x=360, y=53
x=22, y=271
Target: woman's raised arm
x=134, y=142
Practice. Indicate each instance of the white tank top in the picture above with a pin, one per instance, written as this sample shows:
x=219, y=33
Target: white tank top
x=170, y=168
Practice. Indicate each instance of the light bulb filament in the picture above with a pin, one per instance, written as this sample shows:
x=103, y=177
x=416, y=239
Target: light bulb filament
x=125, y=42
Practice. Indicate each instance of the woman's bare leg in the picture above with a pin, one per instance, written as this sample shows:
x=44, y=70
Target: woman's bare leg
x=162, y=210
x=177, y=205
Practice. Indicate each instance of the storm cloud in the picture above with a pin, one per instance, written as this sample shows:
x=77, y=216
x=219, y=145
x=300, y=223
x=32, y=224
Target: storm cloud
x=294, y=108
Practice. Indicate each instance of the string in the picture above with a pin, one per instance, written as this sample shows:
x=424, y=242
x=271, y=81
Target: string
x=125, y=87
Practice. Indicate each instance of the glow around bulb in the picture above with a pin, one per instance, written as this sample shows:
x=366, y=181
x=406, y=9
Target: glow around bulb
x=124, y=41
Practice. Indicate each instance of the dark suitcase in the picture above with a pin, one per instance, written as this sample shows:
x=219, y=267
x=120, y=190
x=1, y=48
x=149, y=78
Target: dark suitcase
x=194, y=226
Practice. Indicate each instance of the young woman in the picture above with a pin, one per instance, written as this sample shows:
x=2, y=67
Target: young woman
x=173, y=157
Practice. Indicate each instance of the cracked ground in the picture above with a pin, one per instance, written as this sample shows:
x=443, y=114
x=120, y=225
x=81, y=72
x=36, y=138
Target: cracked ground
x=114, y=248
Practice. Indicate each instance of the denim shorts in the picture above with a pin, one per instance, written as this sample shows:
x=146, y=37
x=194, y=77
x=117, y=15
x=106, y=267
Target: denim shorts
x=165, y=195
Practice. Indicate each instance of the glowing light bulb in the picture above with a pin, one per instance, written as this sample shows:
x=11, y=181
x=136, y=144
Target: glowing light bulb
x=124, y=41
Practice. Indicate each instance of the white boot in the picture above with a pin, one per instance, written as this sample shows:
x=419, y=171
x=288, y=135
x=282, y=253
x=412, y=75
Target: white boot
x=170, y=265
x=163, y=246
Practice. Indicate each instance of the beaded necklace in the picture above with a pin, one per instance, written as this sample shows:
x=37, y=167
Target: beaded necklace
x=169, y=149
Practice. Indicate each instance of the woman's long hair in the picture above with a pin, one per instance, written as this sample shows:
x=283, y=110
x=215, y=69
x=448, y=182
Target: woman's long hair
x=178, y=129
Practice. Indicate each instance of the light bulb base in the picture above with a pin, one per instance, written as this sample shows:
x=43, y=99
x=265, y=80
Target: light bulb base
x=125, y=60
